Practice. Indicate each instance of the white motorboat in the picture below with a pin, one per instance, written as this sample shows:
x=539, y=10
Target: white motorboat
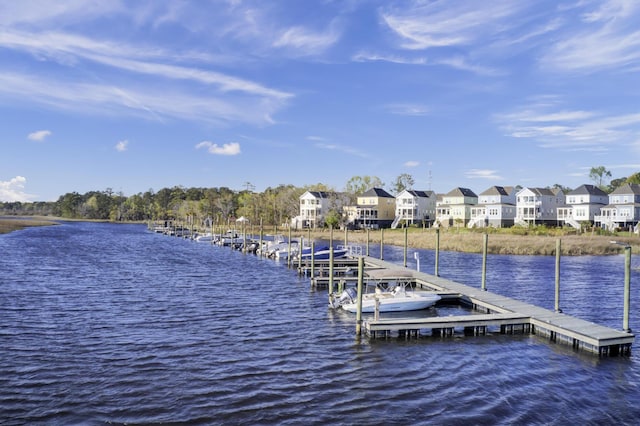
x=206, y=237
x=393, y=293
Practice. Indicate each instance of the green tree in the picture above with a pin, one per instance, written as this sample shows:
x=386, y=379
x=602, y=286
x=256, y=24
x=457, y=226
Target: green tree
x=634, y=178
x=598, y=175
x=360, y=184
x=404, y=181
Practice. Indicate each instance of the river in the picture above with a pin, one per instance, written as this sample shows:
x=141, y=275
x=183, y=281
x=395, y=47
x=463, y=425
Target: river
x=113, y=324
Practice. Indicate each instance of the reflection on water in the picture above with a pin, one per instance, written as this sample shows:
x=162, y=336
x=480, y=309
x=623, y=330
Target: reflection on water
x=103, y=323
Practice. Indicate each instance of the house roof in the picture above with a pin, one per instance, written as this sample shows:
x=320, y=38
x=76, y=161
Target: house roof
x=464, y=192
x=423, y=194
x=540, y=191
x=377, y=192
x=627, y=188
x=587, y=190
x=319, y=194
x=496, y=190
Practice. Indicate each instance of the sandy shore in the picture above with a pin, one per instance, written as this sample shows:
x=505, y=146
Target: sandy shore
x=9, y=224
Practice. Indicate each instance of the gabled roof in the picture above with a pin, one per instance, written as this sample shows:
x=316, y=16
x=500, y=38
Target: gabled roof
x=377, y=192
x=422, y=194
x=587, y=190
x=627, y=188
x=497, y=190
x=540, y=191
x=458, y=192
x=320, y=194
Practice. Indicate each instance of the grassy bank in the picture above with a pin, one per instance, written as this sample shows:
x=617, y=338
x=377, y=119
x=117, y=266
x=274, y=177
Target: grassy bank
x=499, y=241
x=9, y=224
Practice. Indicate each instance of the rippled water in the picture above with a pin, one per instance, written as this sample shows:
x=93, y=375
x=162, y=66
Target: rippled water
x=103, y=323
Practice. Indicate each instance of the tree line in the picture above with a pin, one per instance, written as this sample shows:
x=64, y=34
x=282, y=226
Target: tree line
x=273, y=206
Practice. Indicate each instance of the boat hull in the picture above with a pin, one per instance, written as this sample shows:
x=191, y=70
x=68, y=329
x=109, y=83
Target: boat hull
x=410, y=302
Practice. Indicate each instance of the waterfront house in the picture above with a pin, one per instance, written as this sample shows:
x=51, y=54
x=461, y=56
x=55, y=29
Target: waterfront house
x=496, y=207
x=623, y=210
x=583, y=204
x=455, y=207
x=314, y=206
x=538, y=206
x=415, y=207
x=374, y=209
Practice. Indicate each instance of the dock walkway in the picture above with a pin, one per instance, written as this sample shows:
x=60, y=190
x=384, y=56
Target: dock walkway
x=498, y=311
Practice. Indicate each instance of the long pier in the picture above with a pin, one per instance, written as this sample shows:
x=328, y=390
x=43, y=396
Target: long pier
x=489, y=311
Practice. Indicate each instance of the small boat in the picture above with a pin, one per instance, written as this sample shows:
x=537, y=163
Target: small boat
x=206, y=237
x=323, y=253
x=396, y=299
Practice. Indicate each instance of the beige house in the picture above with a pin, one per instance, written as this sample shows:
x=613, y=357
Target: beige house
x=374, y=209
x=455, y=207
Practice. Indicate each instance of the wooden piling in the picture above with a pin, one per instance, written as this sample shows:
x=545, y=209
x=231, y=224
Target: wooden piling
x=485, y=244
x=437, y=254
x=381, y=243
x=359, y=297
x=557, y=292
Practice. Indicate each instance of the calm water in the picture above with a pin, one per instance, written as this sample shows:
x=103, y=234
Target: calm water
x=103, y=323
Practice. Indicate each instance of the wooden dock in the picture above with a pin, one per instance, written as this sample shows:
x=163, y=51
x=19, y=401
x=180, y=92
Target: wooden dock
x=491, y=310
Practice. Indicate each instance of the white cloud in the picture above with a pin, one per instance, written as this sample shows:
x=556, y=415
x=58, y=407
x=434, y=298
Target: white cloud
x=571, y=130
x=482, y=174
x=306, y=41
x=13, y=190
x=412, y=163
x=39, y=136
x=232, y=148
x=122, y=145
x=408, y=109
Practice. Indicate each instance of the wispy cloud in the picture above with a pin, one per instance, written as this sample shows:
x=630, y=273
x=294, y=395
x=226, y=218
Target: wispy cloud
x=13, y=190
x=342, y=148
x=412, y=163
x=232, y=148
x=39, y=136
x=573, y=130
x=607, y=37
x=439, y=24
x=122, y=145
x=148, y=102
x=396, y=59
x=482, y=174
x=408, y=109
x=305, y=41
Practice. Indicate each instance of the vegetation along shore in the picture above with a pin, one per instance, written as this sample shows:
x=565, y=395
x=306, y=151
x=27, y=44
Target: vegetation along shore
x=519, y=241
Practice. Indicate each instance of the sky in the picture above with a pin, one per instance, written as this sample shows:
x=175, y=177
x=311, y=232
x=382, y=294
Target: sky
x=142, y=95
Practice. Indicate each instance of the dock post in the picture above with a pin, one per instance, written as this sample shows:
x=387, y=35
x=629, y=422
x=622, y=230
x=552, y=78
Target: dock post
x=558, y=254
x=485, y=244
x=381, y=243
x=313, y=258
x=346, y=235
x=260, y=242
x=300, y=255
x=367, y=249
x=437, y=251
x=289, y=248
x=406, y=240
x=330, y=269
x=627, y=288
x=359, y=297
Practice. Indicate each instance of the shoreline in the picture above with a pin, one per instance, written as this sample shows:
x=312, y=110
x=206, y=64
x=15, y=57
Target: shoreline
x=498, y=243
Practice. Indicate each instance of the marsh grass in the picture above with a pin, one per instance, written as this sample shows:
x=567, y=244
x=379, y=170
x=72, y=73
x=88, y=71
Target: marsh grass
x=8, y=224
x=520, y=241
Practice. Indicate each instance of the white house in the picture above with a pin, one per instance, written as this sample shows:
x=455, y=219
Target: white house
x=623, y=209
x=538, y=206
x=314, y=205
x=583, y=204
x=455, y=207
x=415, y=207
x=496, y=207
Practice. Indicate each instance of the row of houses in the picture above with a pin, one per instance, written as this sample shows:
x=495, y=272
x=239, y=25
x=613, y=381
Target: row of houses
x=498, y=206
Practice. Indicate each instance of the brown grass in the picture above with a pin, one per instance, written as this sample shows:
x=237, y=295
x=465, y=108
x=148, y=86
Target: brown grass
x=8, y=224
x=498, y=243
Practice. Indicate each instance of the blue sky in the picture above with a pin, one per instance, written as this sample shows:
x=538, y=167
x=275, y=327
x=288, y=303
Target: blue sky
x=139, y=95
